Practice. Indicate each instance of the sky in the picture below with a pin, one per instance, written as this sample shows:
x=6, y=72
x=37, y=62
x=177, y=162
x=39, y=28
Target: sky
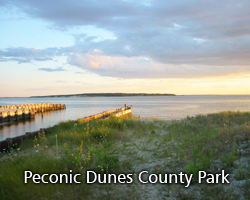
x=183, y=47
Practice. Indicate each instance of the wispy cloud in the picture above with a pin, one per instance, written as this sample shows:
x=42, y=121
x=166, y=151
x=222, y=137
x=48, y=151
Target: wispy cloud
x=59, y=69
x=60, y=81
x=25, y=55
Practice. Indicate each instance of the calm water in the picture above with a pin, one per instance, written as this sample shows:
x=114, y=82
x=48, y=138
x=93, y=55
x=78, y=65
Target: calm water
x=171, y=107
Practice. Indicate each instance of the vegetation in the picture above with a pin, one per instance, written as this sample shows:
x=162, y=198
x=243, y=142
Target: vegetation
x=106, y=95
x=130, y=145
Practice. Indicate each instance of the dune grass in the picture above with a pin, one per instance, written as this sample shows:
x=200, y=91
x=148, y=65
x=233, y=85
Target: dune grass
x=129, y=145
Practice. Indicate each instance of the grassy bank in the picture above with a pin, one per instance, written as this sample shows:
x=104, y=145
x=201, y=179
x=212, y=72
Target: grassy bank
x=129, y=145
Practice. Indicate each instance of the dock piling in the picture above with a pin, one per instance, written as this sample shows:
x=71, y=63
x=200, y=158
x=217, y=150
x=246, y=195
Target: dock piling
x=10, y=113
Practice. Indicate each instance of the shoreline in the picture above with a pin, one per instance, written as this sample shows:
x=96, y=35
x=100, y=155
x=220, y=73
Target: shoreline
x=148, y=95
x=15, y=142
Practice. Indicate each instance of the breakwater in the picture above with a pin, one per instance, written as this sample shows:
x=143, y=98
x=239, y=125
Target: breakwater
x=12, y=143
x=117, y=113
x=10, y=113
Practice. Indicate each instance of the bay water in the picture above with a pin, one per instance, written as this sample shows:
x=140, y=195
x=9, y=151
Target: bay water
x=163, y=107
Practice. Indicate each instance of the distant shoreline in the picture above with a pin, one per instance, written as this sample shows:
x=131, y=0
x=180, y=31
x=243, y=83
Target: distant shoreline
x=123, y=95
x=105, y=95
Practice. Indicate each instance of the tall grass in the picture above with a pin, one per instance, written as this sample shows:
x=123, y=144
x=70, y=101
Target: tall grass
x=125, y=145
x=68, y=145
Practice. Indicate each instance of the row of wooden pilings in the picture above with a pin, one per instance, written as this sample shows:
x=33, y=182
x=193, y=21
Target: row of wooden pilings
x=10, y=113
x=38, y=107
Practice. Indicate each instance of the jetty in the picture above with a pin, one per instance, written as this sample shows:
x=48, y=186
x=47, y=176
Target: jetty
x=12, y=143
x=9, y=113
x=117, y=113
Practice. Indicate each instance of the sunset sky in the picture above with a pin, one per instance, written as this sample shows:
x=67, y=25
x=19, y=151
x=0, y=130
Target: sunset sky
x=86, y=46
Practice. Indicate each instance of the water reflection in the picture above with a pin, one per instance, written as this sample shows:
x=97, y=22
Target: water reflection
x=9, y=130
x=171, y=107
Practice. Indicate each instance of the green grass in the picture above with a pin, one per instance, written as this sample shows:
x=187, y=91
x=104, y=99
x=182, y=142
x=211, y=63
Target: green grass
x=130, y=145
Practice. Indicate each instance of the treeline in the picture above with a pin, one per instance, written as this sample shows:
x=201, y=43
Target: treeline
x=106, y=95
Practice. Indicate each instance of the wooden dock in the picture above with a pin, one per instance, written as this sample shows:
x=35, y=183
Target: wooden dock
x=10, y=113
x=12, y=143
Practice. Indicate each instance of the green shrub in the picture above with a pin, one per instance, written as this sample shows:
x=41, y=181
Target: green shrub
x=229, y=159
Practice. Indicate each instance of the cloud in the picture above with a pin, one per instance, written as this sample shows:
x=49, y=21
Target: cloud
x=58, y=69
x=210, y=19
x=61, y=81
x=145, y=67
x=151, y=38
x=25, y=55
